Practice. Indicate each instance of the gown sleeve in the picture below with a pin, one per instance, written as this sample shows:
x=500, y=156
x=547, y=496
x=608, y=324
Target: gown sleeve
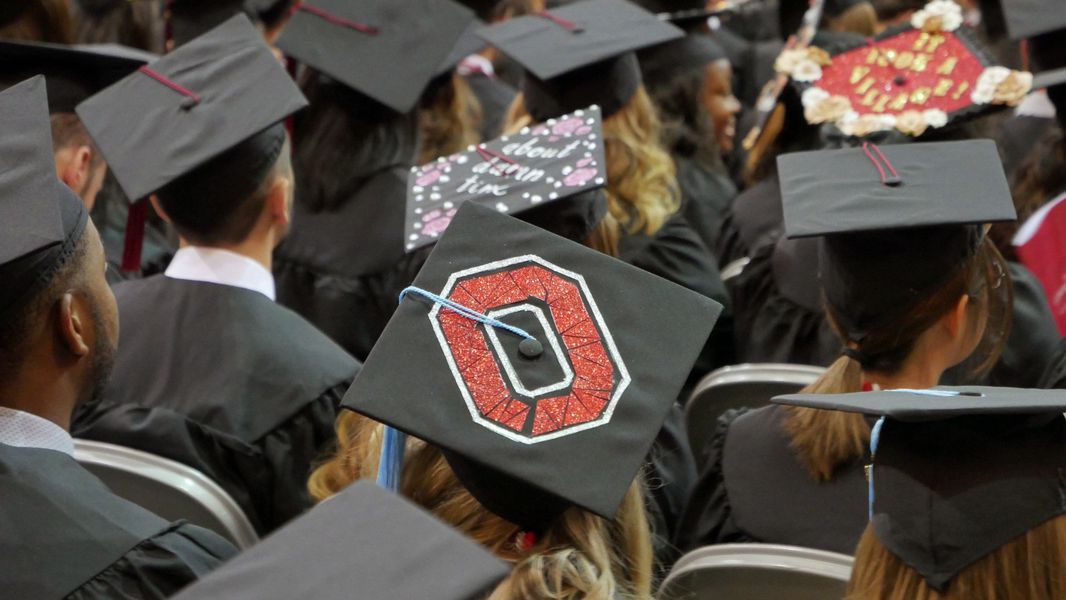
x=708, y=517
x=160, y=566
x=669, y=479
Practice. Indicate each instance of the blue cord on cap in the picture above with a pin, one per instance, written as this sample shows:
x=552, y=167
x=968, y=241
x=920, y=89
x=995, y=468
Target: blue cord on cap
x=875, y=437
x=466, y=312
x=390, y=467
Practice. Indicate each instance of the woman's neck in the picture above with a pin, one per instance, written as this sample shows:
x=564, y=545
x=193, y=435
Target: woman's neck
x=916, y=374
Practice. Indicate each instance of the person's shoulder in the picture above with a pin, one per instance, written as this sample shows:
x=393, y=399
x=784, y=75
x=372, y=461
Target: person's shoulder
x=280, y=329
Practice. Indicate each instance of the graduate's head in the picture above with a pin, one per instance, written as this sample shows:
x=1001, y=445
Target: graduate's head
x=448, y=118
x=576, y=555
x=58, y=319
x=245, y=192
x=79, y=162
x=132, y=24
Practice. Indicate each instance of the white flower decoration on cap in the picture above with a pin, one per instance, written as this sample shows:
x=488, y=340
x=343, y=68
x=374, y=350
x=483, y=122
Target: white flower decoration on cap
x=938, y=15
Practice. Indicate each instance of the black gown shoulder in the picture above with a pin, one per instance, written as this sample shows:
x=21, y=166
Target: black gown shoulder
x=1055, y=375
x=752, y=489
x=495, y=97
x=756, y=219
x=226, y=381
x=343, y=269
x=778, y=307
x=65, y=535
x=705, y=198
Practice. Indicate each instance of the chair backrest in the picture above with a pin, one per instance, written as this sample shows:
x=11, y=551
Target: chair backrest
x=758, y=571
x=168, y=488
x=750, y=385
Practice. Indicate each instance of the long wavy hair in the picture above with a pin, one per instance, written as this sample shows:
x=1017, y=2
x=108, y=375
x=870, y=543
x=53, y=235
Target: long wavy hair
x=580, y=556
x=825, y=440
x=687, y=127
x=1030, y=566
x=1038, y=180
x=448, y=118
x=642, y=190
x=42, y=21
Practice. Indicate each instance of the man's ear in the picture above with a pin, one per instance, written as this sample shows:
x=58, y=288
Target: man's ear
x=278, y=204
x=77, y=170
x=158, y=206
x=72, y=325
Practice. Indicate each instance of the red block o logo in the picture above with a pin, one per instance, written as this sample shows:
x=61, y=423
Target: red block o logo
x=593, y=374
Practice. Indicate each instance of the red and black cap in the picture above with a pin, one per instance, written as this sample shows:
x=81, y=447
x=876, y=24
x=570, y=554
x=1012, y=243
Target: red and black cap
x=529, y=361
x=550, y=165
x=41, y=220
x=957, y=472
x=387, y=50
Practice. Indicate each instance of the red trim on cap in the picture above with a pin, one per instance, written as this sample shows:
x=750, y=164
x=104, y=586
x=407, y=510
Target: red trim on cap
x=336, y=20
x=566, y=24
x=489, y=155
x=134, y=243
x=170, y=83
x=895, y=180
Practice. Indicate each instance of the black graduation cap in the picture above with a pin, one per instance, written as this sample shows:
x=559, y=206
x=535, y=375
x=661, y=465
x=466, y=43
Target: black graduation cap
x=528, y=433
x=688, y=14
x=467, y=44
x=896, y=221
x=364, y=542
x=192, y=106
x=74, y=73
x=41, y=220
x=189, y=19
x=387, y=50
x=580, y=54
x=958, y=472
x=659, y=64
x=1027, y=18
x=540, y=165
x=270, y=12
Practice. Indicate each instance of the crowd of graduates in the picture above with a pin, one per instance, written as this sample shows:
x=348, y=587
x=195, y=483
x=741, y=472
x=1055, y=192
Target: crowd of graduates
x=425, y=287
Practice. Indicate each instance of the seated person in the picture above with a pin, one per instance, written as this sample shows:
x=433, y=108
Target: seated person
x=212, y=372
x=63, y=534
x=910, y=293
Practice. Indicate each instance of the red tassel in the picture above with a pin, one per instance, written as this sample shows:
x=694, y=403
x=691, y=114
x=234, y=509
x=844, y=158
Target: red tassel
x=131, y=251
x=529, y=539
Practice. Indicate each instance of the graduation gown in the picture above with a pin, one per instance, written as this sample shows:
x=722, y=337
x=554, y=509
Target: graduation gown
x=63, y=534
x=224, y=380
x=752, y=489
x=495, y=97
x=1055, y=376
x=669, y=479
x=705, y=199
x=343, y=269
x=756, y=219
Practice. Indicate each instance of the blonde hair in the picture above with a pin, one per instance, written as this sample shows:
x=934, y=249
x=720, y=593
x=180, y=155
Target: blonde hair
x=580, y=556
x=860, y=19
x=642, y=190
x=1030, y=566
x=449, y=122
x=827, y=440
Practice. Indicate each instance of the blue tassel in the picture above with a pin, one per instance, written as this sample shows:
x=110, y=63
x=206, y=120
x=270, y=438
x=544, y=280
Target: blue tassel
x=390, y=469
x=875, y=438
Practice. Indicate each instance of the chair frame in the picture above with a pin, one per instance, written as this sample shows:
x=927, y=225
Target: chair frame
x=183, y=479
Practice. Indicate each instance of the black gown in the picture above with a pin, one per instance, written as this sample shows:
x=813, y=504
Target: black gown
x=752, y=489
x=224, y=380
x=669, y=478
x=1055, y=376
x=705, y=199
x=63, y=534
x=757, y=219
x=343, y=269
x=495, y=97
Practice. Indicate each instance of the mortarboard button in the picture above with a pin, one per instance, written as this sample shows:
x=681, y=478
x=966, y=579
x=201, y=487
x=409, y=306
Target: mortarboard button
x=531, y=348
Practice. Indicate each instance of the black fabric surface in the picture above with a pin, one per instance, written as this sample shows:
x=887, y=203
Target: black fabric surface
x=65, y=535
x=225, y=381
x=706, y=197
x=495, y=97
x=756, y=219
x=752, y=488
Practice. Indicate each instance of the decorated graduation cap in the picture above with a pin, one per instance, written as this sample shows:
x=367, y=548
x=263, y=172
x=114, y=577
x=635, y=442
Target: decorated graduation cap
x=580, y=54
x=41, y=220
x=958, y=472
x=1044, y=23
x=546, y=164
x=203, y=123
x=73, y=73
x=895, y=221
x=525, y=358
x=365, y=542
x=914, y=78
x=399, y=45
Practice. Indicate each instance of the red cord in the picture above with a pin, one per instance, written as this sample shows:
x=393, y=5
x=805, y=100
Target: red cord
x=884, y=178
x=561, y=22
x=172, y=85
x=489, y=155
x=134, y=242
x=336, y=20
